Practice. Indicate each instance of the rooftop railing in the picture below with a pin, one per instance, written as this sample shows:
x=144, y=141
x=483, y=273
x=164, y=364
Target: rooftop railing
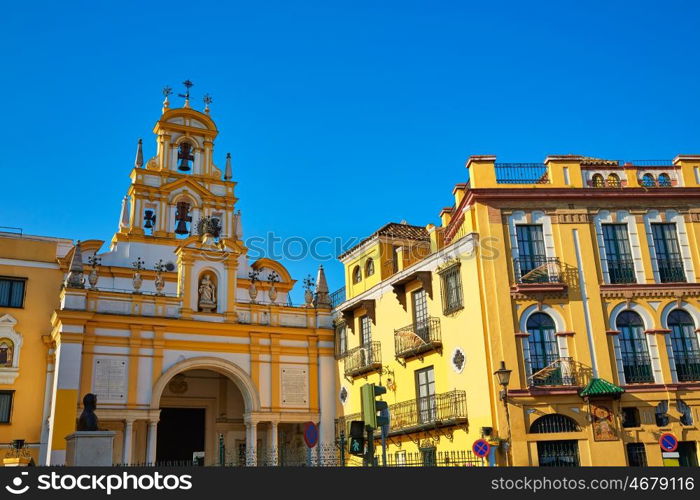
x=522, y=173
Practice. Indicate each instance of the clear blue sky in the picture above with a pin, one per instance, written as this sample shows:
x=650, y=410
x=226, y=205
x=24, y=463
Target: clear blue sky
x=340, y=116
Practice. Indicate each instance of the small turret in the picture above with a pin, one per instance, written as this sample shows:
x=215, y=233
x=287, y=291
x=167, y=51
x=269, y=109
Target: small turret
x=322, y=300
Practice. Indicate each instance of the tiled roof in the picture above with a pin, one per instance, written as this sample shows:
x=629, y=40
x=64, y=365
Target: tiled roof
x=395, y=230
x=601, y=387
x=587, y=160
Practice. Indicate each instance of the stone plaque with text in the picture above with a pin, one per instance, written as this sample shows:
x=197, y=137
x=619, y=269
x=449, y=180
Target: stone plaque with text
x=295, y=385
x=110, y=380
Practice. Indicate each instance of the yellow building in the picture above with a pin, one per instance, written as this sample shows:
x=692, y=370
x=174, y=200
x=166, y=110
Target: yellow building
x=193, y=352
x=583, y=282
x=30, y=282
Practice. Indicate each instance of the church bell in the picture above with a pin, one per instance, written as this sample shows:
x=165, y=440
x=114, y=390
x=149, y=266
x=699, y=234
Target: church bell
x=149, y=218
x=181, y=227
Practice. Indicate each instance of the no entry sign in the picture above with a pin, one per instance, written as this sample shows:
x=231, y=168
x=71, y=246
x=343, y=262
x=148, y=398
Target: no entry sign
x=481, y=448
x=310, y=434
x=668, y=442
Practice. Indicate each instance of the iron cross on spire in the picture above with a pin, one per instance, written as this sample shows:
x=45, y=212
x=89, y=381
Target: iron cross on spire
x=188, y=84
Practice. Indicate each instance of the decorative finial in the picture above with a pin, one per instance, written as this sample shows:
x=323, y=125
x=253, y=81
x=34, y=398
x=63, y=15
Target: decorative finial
x=75, y=278
x=124, y=217
x=207, y=101
x=138, y=162
x=228, y=173
x=167, y=91
x=188, y=84
x=322, y=300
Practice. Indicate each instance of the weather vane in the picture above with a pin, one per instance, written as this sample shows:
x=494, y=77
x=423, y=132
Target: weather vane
x=167, y=91
x=187, y=85
x=207, y=101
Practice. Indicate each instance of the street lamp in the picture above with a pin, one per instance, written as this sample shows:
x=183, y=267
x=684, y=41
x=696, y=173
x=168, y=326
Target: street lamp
x=503, y=375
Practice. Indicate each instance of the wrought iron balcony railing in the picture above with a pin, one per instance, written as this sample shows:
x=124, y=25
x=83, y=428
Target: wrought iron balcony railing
x=363, y=359
x=621, y=271
x=537, y=269
x=522, y=173
x=637, y=369
x=417, y=338
x=687, y=366
x=670, y=270
x=337, y=297
x=561, y=372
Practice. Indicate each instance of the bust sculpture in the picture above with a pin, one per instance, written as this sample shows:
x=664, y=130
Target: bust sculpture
x=88, y=420
x=207, y=294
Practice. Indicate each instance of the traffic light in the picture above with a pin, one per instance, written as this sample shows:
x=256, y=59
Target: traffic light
x=370, y=406
x=357, y=437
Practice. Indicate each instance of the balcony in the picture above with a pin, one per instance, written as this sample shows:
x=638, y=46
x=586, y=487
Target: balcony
x=417, y=338
x=688, y=367
x=637, y=369
x=621, y=271
x=362, y=359
x=560, y=373
x=337, y=297
x=537, y=274
x=670, y=270
x=522, y=173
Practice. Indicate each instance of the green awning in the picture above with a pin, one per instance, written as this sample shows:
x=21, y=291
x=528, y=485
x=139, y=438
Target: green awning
x=601, y=387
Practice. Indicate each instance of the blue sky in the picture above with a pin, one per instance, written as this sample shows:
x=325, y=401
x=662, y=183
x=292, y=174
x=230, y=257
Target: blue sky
x=340, y=116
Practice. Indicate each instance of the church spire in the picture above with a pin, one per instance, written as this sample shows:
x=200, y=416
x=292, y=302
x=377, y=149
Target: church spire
x=228, y=173
x=124, y=218
x=75, y=278
x=322, y=299
x=138, y=162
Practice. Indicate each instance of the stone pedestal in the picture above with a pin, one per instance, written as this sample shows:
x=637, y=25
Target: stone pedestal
x=89, y=448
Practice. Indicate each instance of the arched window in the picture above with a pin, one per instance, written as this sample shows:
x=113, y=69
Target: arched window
x=684, y=341
x=664, y=180
x=543, y=349
x=356, y=274
x=633, y=348
x=648, y=180
x=554, y=422
x=613, y=180
x=185, y=156
x=598, y=181
x=369, y=267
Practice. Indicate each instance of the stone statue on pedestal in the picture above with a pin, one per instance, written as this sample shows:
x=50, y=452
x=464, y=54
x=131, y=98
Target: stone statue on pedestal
x=207, y=294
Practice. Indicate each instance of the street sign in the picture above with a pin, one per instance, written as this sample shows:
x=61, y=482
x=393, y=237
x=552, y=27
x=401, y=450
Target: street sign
x=668, y=442
x=310, y=434
x=481, y=448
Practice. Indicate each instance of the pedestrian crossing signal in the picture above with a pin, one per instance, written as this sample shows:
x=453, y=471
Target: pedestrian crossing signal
x=357, y=437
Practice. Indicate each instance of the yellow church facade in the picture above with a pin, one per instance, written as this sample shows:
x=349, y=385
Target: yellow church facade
x=195, y=353
x=578, y=281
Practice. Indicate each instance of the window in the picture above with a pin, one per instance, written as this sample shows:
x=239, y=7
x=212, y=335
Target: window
x=636, y=455
x=341, y=340
x=428, y=457
x=451, y=290
x=613, y=180
x=630, y=417
x=648, y=180
x=684, y=342
x=6, y=406
x=543, y=349
x=669, y=261
x=618, y=254
x=356, y=275
x=11, y=292
x=420, y=314
x=365, y=330
x=633, y=348
x=598, y=181
x=664, y=180
x=395, y=259
x=369, y=267
x=558, y=453
x=425, y=395
x=531, y=251
x=553, y=423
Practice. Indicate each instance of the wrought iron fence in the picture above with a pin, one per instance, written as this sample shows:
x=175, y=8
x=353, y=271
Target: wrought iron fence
x=621, y=271
x=537, y=269
x=688, y=366
x=522, y=173
x=670, y=270
x=432, y=458
x=417, y=338
x=362, y=359
x=561, y=372
x=637, y=368
x=337, y=297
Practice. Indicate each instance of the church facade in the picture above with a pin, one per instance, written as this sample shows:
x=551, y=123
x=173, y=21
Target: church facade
x=193, y=351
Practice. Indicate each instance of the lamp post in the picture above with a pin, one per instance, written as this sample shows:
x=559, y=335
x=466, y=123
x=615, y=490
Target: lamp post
x=503, y=375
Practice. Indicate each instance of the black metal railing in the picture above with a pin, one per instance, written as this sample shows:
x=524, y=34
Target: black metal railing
x=417, y=338
x=537, y=269
x=687, y=366
x=621, y=271
x=558, y=453
x=561, y=372
x=522, y=173
x=363, y=359
x=438, y=409
x=337, y=297
x=637, y=369
x=647, y=163
x=433, y=458
x=670, y=270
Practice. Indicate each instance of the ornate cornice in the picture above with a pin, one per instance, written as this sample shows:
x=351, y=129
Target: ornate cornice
x=652, y=290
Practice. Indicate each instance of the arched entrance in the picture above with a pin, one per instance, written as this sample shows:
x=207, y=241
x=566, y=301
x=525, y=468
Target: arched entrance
x=203, y=403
